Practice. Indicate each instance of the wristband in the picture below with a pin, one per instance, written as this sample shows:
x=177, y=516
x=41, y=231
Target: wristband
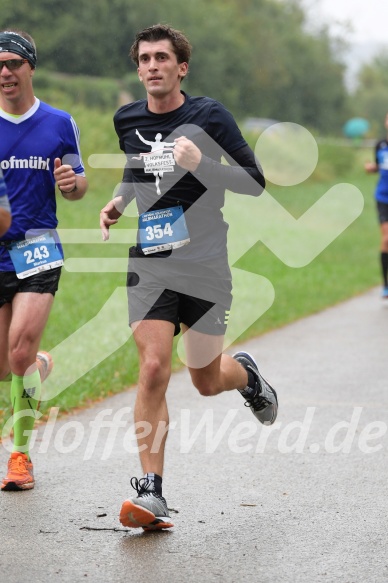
x=68, y=191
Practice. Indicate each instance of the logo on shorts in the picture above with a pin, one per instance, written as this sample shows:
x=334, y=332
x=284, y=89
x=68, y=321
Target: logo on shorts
x=226, y=319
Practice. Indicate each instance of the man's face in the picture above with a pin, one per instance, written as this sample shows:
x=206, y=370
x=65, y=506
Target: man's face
x=17, y=83
x=159, y=69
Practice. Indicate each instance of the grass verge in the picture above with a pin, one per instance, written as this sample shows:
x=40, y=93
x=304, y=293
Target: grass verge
x=346, y=267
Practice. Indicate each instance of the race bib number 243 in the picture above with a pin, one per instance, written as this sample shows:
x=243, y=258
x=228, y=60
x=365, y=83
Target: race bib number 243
x=30, y=256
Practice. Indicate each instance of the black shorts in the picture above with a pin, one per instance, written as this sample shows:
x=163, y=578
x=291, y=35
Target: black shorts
x=198, y=296
x=41, y=283
x=382, y=211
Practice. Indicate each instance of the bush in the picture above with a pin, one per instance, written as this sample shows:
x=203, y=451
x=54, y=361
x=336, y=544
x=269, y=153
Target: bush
x=64, y=91
x=335, y=160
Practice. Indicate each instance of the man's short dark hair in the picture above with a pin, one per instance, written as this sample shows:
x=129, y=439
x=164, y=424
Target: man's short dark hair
x=157, y=32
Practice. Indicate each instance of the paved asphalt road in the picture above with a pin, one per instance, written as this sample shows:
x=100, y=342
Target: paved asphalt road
x=302, y=501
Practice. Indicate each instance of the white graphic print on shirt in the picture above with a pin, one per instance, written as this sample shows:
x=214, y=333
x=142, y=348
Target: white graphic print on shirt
x=159, y=160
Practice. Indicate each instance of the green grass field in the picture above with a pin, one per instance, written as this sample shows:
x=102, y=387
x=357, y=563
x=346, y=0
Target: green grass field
x=87, y=331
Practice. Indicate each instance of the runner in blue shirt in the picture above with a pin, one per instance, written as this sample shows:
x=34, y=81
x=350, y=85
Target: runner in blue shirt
x=178, y=273
x=39, y=149
x=380, y=165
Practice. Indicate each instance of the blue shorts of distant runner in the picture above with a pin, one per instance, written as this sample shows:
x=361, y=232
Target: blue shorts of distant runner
x=382, y=211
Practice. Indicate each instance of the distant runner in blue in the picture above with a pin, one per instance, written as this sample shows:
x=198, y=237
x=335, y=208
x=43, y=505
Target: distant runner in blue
x=39, y=149
x=380, y=165
x=5, y=209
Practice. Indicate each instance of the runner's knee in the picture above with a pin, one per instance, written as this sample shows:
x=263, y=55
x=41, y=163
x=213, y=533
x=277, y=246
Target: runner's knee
x=20, y=358
x=154, y=371
x=205, y=387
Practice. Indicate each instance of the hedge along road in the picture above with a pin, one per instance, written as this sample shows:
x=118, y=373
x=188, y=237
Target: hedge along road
x=303, y=500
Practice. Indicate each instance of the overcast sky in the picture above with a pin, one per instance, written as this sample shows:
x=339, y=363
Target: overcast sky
x=369, y=18
x=362, y=23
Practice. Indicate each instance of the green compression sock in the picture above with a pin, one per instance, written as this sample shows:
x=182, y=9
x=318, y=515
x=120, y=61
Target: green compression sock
x=7, y=379
x=25, y=395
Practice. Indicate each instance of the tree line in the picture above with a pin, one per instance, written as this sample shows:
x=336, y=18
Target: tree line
x=255, y=56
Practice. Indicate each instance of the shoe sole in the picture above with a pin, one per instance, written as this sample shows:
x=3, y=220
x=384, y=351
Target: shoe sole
x=47, y=364
x=14, y=487
x=134, y=516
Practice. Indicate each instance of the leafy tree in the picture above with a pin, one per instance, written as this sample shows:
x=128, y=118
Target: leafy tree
x=370, y=98
x=255, y=56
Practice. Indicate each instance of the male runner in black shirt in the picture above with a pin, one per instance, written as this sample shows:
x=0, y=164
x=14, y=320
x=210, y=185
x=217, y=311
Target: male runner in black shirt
x=178, y=274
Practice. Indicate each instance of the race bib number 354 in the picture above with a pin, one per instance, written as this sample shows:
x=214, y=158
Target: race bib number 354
x=163, y=230
x=31, y=256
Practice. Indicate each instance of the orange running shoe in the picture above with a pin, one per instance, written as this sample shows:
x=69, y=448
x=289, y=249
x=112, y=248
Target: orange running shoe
x=45, y=364
x=148, y=510
x=20, y=473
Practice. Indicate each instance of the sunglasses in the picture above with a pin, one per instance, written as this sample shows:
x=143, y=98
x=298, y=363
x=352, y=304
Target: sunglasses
x=12, y=64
